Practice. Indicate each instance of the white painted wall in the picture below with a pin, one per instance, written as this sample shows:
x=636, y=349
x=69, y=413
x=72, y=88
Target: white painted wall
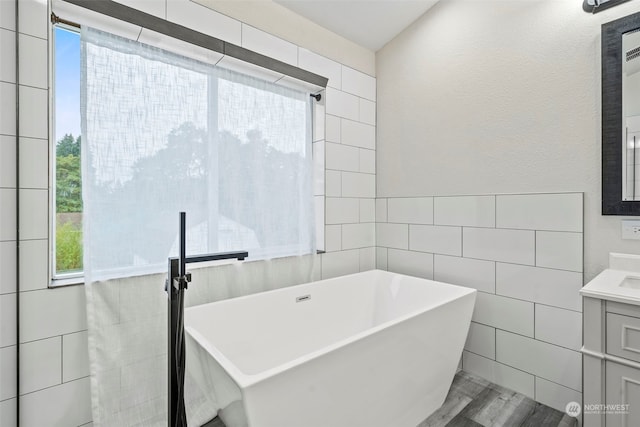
x=485, y=97
x=53, y=340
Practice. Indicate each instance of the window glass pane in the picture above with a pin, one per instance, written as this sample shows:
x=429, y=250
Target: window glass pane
x=68, y=196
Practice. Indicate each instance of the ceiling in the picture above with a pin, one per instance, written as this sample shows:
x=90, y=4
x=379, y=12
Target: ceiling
x=369, y=23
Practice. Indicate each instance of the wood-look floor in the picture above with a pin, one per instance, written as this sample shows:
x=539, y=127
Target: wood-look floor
x=475, y=402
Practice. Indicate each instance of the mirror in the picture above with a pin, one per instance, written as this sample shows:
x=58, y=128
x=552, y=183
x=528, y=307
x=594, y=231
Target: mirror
x=621, y=116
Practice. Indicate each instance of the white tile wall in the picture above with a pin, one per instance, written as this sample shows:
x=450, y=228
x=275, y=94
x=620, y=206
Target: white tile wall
x=358, y=184
x=504, y=313
x=342, y=210
x=34, y=260
x=320, y=65
x=358, y=134
x=381, y=210
x=333, y=183
x=367, y=112
x=8, y=376
x=332, y=128
x=358, y=235
x=33, y=64
x=559, y=250
x=7, y=320
x=204, y=20
x=368, y=211
x=37, y=151
x=516, y=246
x=75, y=357
x=472, y=273
x=412, y=263
x=557, y=212
x=333, y=238
x=555, y=395
x=268, y=45
x=33, y=113
x=474, y=211
x=7, y=15
x=8, y=413
x=342, y=104
x=436, y=238
x=416, y=210
x=7, y=108
x=7, y=50
x=151, y=7
x=559, y=326
x=34, y=208
x=40, y=364
x=7, y=267
x=381, y=258
x=481, y=340
x=340, y=263
x=32, y=18
x=500, y=374
x=367, y=259
x=548, y=361
x=542, y=285
x=358, y=83
x=342, y=157
x=68, y=404
x=392, y=235
x=367, y=161
x=7, y=161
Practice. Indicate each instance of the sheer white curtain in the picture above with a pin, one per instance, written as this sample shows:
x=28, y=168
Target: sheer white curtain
x=162, y=133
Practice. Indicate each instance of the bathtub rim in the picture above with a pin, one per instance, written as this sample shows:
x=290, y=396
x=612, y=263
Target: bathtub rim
x=245, y=380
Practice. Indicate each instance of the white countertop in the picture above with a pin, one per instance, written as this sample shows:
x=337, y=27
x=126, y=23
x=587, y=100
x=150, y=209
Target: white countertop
x=620, y=282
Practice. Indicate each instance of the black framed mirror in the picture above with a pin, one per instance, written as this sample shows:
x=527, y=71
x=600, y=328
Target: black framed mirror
x=620, y=116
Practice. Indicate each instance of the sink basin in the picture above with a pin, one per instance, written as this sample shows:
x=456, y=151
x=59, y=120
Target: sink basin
x=630, y=282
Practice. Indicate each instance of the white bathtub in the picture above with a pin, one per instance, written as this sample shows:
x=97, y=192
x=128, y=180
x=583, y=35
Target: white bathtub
x=364, y=350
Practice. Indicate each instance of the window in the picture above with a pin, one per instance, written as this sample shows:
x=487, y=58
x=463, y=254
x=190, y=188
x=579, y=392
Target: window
x=67, y=224
x=239, y=144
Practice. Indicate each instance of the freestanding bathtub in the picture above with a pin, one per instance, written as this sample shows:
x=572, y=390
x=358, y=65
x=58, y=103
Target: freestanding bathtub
x=364, y=350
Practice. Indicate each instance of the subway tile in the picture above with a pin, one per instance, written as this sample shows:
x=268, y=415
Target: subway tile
x=204, y=20
x=559, y=250
x=7, y=108
x=319, y=114
x=7, y=53
x=381, y=210
x=51, y=312
x=318, y=168
x=332, y=128
x=33, y=18
x=504, y=313
x=75, y=356
x=8, y=378
x=33, y=62
x=68, y=404
x=333, y=238
x=7, y=320
x=498, y=373
x=481, y=340
x=437, y=239
x=34, y=118
x=322, y=66
x=558, y=326
x=515, y=246
x=269, y=45
x=358, y=185
x=34, y=263
x=367, y=259
x=548, y=361
x=472, y=273
x=342, y=104
x=358, y=83
x=541, y=285
x=342, y=157
x=8, y=267
x=8, y=18
x=7, y=214
x=413, y=210
x=392, y=235
x=552, y=212
x=340, y=263
x=34, y=220
x=8, y=408
x=8, y=161
x=555, y=395
x=358, y=235
x=417, y=264
x=474, y=211
x=367, y=112
x=333, y=185
x=358, y=134
x=367, y=161
x=381, y=258
x=40, y=364
x=319, y=205
x=152, y=7
x=34, y=166
x=342, y=210
x=367, y=210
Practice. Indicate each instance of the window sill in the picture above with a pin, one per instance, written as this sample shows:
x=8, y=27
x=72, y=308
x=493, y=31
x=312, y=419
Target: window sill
x=71, y=281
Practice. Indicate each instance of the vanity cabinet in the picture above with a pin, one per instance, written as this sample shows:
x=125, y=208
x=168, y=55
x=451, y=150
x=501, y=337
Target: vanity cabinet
x=611, y=363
